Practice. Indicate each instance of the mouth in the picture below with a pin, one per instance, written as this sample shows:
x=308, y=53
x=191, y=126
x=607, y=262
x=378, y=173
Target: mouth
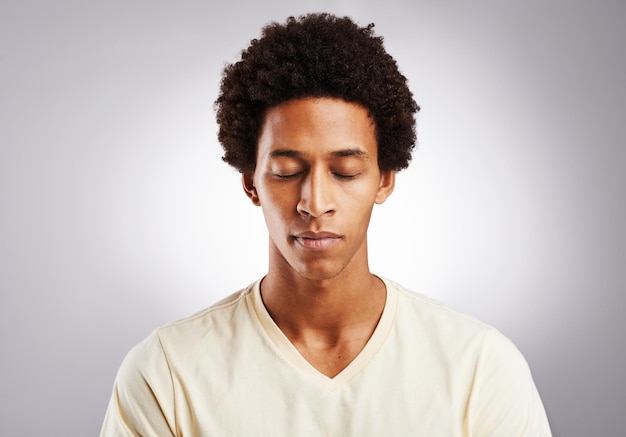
x=317, y=240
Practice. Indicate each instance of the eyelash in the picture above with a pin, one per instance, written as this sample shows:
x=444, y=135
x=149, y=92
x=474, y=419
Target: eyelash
x=287, y=176
x=294, y=175
x=346, y=176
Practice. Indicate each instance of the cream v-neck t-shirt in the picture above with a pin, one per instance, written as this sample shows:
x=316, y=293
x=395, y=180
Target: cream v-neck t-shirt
x=230, y=371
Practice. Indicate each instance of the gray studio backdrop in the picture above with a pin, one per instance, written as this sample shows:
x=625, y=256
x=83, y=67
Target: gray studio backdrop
x=117, y=214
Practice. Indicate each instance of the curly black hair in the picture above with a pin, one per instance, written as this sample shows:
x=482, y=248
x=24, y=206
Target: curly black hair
x=315, y=55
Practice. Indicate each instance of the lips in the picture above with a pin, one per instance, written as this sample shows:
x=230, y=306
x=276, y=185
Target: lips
x=317, y=240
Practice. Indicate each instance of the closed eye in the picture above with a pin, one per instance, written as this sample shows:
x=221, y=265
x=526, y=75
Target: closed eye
x=287, y=175
x=346, y=176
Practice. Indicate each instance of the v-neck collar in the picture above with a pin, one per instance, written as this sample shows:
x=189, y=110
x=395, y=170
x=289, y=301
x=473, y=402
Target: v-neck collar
x=290, y=353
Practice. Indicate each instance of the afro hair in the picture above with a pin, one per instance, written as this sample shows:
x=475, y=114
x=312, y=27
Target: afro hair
x=315, y=55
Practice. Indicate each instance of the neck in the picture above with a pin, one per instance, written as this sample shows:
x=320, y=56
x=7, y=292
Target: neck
x=328, y=320
x=332, y=306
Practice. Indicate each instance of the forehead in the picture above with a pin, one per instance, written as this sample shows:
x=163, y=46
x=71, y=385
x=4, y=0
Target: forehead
x=314, y=126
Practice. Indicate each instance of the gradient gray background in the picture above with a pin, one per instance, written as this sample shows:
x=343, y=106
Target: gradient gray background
x=117, y=214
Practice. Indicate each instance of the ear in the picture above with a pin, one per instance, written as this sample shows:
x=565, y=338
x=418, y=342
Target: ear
x=247, y=180
x=386, y=185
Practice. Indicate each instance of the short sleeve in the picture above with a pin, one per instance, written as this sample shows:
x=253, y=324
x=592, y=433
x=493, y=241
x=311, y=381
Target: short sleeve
x=504, y=401
x=142, y=402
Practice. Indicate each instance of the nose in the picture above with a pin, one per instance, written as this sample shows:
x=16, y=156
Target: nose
x=316, y=194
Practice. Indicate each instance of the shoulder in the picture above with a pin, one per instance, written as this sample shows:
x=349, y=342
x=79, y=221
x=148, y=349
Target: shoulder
x=151, y=360
x=154, y=352
x=502, y=397
x=218, y=316
x=433, y=315
x=455, y=334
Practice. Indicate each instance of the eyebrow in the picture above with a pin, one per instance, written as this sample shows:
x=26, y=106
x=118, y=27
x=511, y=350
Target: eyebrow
x=289, y=153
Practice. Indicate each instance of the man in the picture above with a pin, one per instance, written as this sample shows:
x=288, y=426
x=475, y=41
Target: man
x=318, y=119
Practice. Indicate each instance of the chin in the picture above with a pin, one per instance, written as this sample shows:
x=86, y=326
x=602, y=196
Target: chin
x=320, y=271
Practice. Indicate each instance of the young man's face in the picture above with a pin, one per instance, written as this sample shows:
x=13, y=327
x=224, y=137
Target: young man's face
x=317, y=180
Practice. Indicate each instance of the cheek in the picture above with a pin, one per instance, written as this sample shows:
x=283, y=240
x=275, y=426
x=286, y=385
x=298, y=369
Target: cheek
x=277, y=205
x=362, y=196
x=269, y=194
x=280, y=201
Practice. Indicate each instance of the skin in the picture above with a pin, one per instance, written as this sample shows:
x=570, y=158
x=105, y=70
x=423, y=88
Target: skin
x=317, y=180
